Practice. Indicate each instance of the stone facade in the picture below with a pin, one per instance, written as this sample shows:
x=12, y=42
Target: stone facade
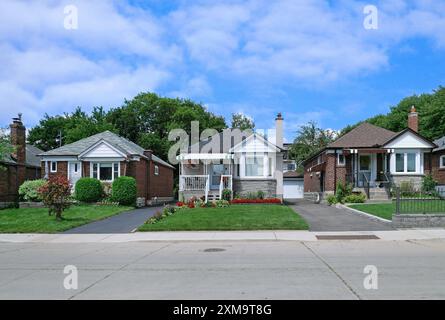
x=418, y=220
x=416, y=180
x=243, y=186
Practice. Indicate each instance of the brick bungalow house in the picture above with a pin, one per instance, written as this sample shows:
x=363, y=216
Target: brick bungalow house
x=23, y=164
x=373, y=158
x=106, y=156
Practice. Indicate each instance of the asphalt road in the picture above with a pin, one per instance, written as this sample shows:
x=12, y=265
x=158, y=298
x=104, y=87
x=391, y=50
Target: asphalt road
x=243, y=270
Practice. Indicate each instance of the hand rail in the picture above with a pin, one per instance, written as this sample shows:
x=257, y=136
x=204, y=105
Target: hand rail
x=207, y=188
x=193, y=182
x=225, y=183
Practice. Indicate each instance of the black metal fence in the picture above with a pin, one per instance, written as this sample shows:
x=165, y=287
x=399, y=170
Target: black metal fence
x=419, y=202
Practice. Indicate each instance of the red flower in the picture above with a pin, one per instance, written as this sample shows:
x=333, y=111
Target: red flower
x=180, y=204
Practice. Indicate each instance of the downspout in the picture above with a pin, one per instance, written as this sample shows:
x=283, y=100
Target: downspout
x=335, y=172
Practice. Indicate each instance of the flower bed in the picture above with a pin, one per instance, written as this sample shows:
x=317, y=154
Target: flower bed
x=268, y=200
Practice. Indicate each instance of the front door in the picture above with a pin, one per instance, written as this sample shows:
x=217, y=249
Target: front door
x=364, y=169
x=217, y=172
x=75, y=172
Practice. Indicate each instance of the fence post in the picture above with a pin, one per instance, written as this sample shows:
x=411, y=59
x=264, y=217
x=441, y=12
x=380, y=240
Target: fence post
x=397, y=200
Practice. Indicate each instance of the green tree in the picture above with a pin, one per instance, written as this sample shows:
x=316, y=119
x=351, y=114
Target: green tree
x=5, y=147
x=73, y=126
x=242, y=122
x=147, y=119
x=310, y=139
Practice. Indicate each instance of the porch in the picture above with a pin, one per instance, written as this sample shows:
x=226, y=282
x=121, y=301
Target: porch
x=205, y=179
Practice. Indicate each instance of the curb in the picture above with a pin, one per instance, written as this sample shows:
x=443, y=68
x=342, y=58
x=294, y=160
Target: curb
x=369, y=216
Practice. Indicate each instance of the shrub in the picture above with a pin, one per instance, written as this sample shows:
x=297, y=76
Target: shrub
x=29, y=190
x=124, y=190
x=222, y=203
x=88, y=190
x=355, y=198
x=251, y=195
x=227, y=194
x=331, y=199
x=407, y=188
x=260, y=194
x=343, y=190
x=106, y=189
x=428, y=183
x=56, y=194
x=268, y=200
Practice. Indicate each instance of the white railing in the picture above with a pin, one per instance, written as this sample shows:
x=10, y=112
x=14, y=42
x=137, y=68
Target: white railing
x=225, y=183
x=193, y=182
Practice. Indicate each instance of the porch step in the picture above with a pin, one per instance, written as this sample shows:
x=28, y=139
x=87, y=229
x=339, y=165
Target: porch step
x=374, y=193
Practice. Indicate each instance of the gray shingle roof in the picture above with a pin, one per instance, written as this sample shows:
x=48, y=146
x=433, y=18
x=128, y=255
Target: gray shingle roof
x=440, y=144
x=32, y=158
x=120, y=143
x=365, y=135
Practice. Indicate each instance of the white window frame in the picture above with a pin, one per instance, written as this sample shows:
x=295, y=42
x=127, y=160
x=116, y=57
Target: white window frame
x=341, y=163
x=246, y=163
x=51, y=166
x=442, y=162
x=98, y=163
x=156, y=170
x=418, y=162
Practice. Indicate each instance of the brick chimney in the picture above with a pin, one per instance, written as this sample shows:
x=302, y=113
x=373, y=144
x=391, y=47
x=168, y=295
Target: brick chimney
x=413, y=119
x=18, y=139
x=148, y=153
x=279, y=130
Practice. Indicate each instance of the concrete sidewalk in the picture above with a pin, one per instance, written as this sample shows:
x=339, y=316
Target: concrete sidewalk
x=302, y=236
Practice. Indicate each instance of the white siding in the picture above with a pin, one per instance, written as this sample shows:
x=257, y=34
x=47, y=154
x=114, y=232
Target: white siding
x=102, y=151
x=407, y=141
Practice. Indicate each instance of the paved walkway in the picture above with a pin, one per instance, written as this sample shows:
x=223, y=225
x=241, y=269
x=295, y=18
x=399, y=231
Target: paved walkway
x=322, y=217
x=122, y=223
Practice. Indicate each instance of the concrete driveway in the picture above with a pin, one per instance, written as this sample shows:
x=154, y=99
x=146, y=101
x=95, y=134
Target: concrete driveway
x=322, y=217
x=122, y=223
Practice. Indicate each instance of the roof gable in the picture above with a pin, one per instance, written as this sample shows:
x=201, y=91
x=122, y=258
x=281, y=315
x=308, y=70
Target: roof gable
x=365, y=135
x=440, y=143
x=408, y=139
x=255, y=143
x=102, y=149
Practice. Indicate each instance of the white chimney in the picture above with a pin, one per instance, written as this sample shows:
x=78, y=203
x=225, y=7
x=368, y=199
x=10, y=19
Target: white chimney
x=279, y=130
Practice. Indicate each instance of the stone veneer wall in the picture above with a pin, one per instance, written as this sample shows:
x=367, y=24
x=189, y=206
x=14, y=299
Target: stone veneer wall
x=242, y=187
x=418, y=220
x=415, y=179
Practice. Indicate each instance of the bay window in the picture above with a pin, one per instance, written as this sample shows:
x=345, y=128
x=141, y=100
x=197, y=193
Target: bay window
x=407, y=162
x=254, y=166
x=105, y=171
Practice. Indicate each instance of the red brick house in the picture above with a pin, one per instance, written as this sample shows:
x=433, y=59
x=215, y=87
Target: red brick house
x=23, y=164
x=106, y=156
x=373, y=159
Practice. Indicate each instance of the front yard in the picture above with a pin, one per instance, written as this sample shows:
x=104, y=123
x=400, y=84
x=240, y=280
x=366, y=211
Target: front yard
x=37, y=220
x=235, y=217
x=382, y=210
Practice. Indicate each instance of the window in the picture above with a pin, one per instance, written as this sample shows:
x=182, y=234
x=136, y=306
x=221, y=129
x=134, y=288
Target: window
x=442, y=162
x=400, y=162
x=365, y=163
x=254, y=166
x=406, y=162
x=411, y=162
x=105, y=171
x=156, y=170
x=76, y=168
x=53, y=166
x=341, y=159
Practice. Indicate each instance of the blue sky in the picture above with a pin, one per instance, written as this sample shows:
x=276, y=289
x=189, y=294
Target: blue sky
x=309, y=59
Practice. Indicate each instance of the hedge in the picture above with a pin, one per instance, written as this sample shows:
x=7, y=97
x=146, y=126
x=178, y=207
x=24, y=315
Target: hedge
x=124, y=190
x=88, y=190
x=29, y=190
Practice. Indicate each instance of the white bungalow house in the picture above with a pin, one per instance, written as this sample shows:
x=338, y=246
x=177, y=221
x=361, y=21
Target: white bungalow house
x=243, y=164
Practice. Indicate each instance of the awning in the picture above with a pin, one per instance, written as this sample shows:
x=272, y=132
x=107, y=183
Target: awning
x=204, y=156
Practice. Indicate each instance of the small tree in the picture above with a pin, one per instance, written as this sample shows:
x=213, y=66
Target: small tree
x=428, y=183
x=55, y=194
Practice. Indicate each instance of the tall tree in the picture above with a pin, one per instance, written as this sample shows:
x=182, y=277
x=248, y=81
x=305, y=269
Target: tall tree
x=242, y=122
x=72, y=126
x=148, y=118
x=310, y=139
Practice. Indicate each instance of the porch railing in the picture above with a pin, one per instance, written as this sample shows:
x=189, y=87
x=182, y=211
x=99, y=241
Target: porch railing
x=195, y=183
x=366, y=185
x=225, y=183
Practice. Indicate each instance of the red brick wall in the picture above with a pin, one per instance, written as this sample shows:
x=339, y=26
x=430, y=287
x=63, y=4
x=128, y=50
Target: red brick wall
x=311, y=179
x=10, y=181
x=62, y=169
x=138, y=170
x=161, y=185
x=437, y=172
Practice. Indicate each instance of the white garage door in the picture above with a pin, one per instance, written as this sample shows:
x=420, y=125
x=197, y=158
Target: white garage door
x=293, y=189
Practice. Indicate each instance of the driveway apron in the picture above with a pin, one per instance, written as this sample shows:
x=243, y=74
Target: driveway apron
x=321, y=217
x=124, y=222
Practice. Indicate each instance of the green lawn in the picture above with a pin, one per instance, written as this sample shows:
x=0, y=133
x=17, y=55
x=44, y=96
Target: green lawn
x=235, y=217
x=386, y=210
x=36, y=220
x=382, y=210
